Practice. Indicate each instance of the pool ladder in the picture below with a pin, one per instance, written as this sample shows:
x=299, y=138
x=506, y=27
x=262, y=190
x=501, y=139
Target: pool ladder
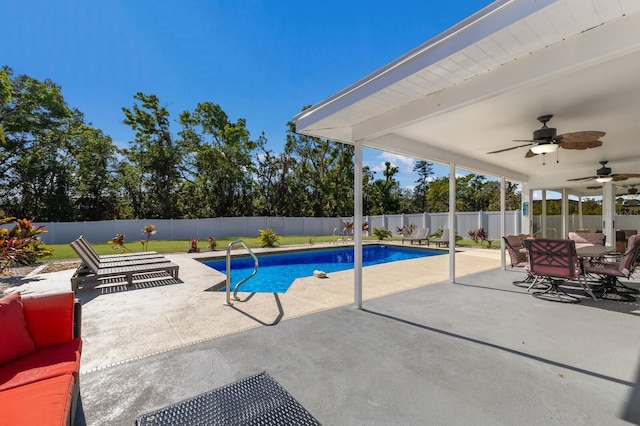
x=255, y=270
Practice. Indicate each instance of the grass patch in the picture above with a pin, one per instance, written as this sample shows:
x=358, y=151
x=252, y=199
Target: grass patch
x=65, y=252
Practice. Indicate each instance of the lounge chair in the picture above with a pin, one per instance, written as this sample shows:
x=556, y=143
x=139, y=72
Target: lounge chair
x=444, y=238
x=113, y=262
x=92, y=269
x=422, y=234
x=116, y=257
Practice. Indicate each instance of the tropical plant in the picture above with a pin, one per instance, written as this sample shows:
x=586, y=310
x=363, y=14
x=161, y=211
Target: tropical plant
x=148, y=231
x=20, y=244
x=381, y=233
x=193, y=246
x=118, y=243
x=480, y=236
x=348, y=227
x=268, y=238
x=213, y=244
x=405, y=230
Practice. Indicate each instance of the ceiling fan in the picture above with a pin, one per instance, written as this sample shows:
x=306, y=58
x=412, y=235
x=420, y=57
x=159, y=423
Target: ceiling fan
x=603, y=174
x=631, y=192
x=545, y=140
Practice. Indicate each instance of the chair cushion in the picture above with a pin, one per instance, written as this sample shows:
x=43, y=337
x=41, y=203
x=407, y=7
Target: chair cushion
x=50, y=318
x=43, y=364
x=15, y=341
x=44, y=402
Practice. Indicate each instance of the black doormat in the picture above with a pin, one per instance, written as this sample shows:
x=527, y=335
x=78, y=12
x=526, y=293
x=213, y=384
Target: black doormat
x=256, y=400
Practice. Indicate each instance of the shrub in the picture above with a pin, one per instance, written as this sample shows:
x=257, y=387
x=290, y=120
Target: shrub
x=381, y=233
x=268, y=238
x=348, y=227
x=193, y=246
x=480, y=236
x=21, y=243
x=118, y=242
x=405, y=230
x=213, y=244
x=148, y=230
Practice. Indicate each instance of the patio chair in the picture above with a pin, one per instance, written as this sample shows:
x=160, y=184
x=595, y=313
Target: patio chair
x=585, y=239
x=553, y=261
x=611, y=272
x=514, y=245
x=91, y=269
x=422, y=234
x=444, y=238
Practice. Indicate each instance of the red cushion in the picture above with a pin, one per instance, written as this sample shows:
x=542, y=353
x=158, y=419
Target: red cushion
x=44, y=402
x=43, y=364
x=49, y=318
x=15, y=341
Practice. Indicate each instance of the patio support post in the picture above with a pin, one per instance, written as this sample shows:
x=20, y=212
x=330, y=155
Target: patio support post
x=608, y=212
x=543, y=214
x=452, y=222
x=503, y=222
x=580, y=223
x=527, y=207
x=357, y=224
x=565, y=214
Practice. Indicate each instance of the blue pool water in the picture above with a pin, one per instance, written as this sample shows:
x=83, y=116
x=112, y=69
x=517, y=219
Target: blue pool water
x=277, y=272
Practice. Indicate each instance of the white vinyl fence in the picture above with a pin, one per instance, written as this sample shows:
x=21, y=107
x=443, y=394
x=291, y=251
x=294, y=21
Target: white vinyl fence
x=226, y=227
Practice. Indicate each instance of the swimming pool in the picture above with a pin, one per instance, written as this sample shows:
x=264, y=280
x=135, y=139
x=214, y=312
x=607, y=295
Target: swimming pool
x=278, y=271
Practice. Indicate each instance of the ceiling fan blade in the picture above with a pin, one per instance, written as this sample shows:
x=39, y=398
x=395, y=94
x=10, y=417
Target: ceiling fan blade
x=585, y=136
x=594, y=187
x=508, y=149
x=531, y=141
x=568, y=144
x=530, y=154
x=628, y=175
x=588, y=178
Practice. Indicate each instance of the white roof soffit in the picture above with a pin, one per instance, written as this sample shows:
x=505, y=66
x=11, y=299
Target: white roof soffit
x=482, y=83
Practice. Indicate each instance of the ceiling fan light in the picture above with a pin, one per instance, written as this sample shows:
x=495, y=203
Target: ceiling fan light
x=633, y=195
x=604, y=179
x=544, y=148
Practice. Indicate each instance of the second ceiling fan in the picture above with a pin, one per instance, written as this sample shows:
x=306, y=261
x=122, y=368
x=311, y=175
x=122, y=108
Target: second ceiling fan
x=603, y=174
x=545, y=140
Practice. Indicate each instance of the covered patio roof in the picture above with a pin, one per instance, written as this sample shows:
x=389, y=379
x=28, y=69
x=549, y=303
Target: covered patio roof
x=482, y=83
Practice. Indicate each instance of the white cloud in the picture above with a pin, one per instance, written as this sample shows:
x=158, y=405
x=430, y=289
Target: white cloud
x=405, y=164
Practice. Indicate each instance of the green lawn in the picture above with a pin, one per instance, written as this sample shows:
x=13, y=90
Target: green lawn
x=64, y=251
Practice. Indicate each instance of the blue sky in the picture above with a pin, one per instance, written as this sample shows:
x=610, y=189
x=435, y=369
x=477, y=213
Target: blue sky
x=261, y=60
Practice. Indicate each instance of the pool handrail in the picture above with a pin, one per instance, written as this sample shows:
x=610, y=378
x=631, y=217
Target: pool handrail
x=255, y=270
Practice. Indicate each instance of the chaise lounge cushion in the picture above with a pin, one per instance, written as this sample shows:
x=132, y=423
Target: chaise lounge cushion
x=15, y=341
x=44, y=402
x=44, y=364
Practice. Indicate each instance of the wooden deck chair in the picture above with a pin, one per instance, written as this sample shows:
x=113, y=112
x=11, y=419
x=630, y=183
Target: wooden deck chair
x=91, y=269
x=116, y=257
x=444, y=238
x=112, y=262
x=422, y=234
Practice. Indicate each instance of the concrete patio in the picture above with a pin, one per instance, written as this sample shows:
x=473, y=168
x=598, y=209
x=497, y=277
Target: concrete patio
x=481, y=351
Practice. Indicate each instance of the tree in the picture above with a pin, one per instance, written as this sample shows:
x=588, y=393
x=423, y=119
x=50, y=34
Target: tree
x=155, y=156
x=35, y=163
x=425, y=175
x=220, y=169
x=383, y=195
x=324, y=170
x=95, y=175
